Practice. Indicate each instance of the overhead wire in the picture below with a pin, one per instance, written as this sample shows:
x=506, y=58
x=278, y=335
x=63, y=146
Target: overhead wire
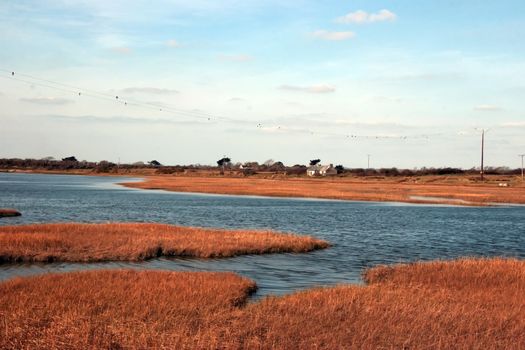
x=80, y=91
x=95, y=94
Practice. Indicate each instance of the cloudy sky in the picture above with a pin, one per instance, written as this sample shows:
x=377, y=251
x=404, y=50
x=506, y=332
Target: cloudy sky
x=411, y=84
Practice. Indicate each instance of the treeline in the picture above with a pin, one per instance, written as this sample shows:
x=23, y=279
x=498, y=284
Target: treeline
x=48, y=164
x=247, y=168
x=429, y=171
x=69, y=163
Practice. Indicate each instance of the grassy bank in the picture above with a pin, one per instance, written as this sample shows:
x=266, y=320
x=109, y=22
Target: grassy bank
x=463, y=189
x=75, y=242
x=466, y=304
x=456, y=192
x=469, y=304
x=9, y=213
x=119, y=309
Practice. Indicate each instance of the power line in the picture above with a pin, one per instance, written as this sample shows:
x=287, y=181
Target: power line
x=82, y=92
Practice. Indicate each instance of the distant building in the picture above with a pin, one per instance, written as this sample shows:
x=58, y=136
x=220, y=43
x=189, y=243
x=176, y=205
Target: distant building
x=321, y=170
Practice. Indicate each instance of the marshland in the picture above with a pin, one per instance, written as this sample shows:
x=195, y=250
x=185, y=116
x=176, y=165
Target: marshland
x=460, y=304
x=75, y=242
x=7, y=213
x=245, y=174
x=90, y=239
x=428, y=189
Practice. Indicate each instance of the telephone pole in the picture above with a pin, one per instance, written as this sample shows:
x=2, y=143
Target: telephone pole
x=521, y=155
x=482, y=151
x=482, y=170
x=368, y=166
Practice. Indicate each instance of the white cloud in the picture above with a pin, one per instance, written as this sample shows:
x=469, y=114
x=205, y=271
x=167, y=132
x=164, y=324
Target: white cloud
x=236, y=58
x=332, y=36
x=487, y=108
x=122, y=119
x=315, y=89
x=148, y=90
x=172, y=43
x=47, y=100
x=451, y=76
x=360, y=17
x=517, y=124
x=237, y=99
x=123, y=50
x=116, y=43
x=383, y=15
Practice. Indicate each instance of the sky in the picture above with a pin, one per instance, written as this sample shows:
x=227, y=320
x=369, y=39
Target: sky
x=411, y=84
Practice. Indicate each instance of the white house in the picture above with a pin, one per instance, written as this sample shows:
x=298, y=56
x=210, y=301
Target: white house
x=321, y=170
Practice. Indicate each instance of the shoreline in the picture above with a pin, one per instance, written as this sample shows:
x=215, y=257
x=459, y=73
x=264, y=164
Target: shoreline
x=339, y=189
x=429, y=190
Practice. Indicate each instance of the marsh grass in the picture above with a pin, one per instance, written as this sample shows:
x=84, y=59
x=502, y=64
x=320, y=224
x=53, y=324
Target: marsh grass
x=465, y=304
x=119, y=309
x=76, y=242
x=4, y=212
x=340, y=188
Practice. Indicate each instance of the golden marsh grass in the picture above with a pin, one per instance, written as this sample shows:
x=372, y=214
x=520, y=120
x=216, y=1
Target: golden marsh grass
x=76, y=242
x=341, y=188
x=5, y=212
x=464, y=304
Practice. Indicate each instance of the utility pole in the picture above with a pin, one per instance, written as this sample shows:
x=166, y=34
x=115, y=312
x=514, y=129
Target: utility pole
x=521, y=155
x=368, y=167
x=482, y=151
x=482, y=170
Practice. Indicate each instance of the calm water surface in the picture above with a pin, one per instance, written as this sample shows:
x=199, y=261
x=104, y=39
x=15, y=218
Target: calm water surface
x=363, y=234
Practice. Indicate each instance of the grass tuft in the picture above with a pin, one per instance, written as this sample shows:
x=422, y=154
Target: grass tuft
x=75, y=242
x=4, y=212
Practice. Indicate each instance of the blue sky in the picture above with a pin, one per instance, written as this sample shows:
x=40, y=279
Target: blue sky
x=288, y=82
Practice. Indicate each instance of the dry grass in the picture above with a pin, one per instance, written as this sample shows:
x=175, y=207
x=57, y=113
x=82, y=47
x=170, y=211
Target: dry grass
x=466, y=304
x=342, y=188
x=137, y=241
x=9, y=212
x=119, y=310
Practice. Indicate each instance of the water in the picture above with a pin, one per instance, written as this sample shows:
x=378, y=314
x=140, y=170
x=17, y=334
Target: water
x=363, y=234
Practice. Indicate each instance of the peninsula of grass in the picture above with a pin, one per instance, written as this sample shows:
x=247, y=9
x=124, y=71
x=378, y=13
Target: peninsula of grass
x=383, y=190
x=6, y=213
x=465, y=304
x=77, y=242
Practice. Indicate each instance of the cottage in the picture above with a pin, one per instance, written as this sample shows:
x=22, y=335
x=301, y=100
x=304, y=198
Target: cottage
x=321, y=170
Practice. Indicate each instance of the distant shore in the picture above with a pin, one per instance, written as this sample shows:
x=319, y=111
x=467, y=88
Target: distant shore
x=465, y=190
x=427, y=190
